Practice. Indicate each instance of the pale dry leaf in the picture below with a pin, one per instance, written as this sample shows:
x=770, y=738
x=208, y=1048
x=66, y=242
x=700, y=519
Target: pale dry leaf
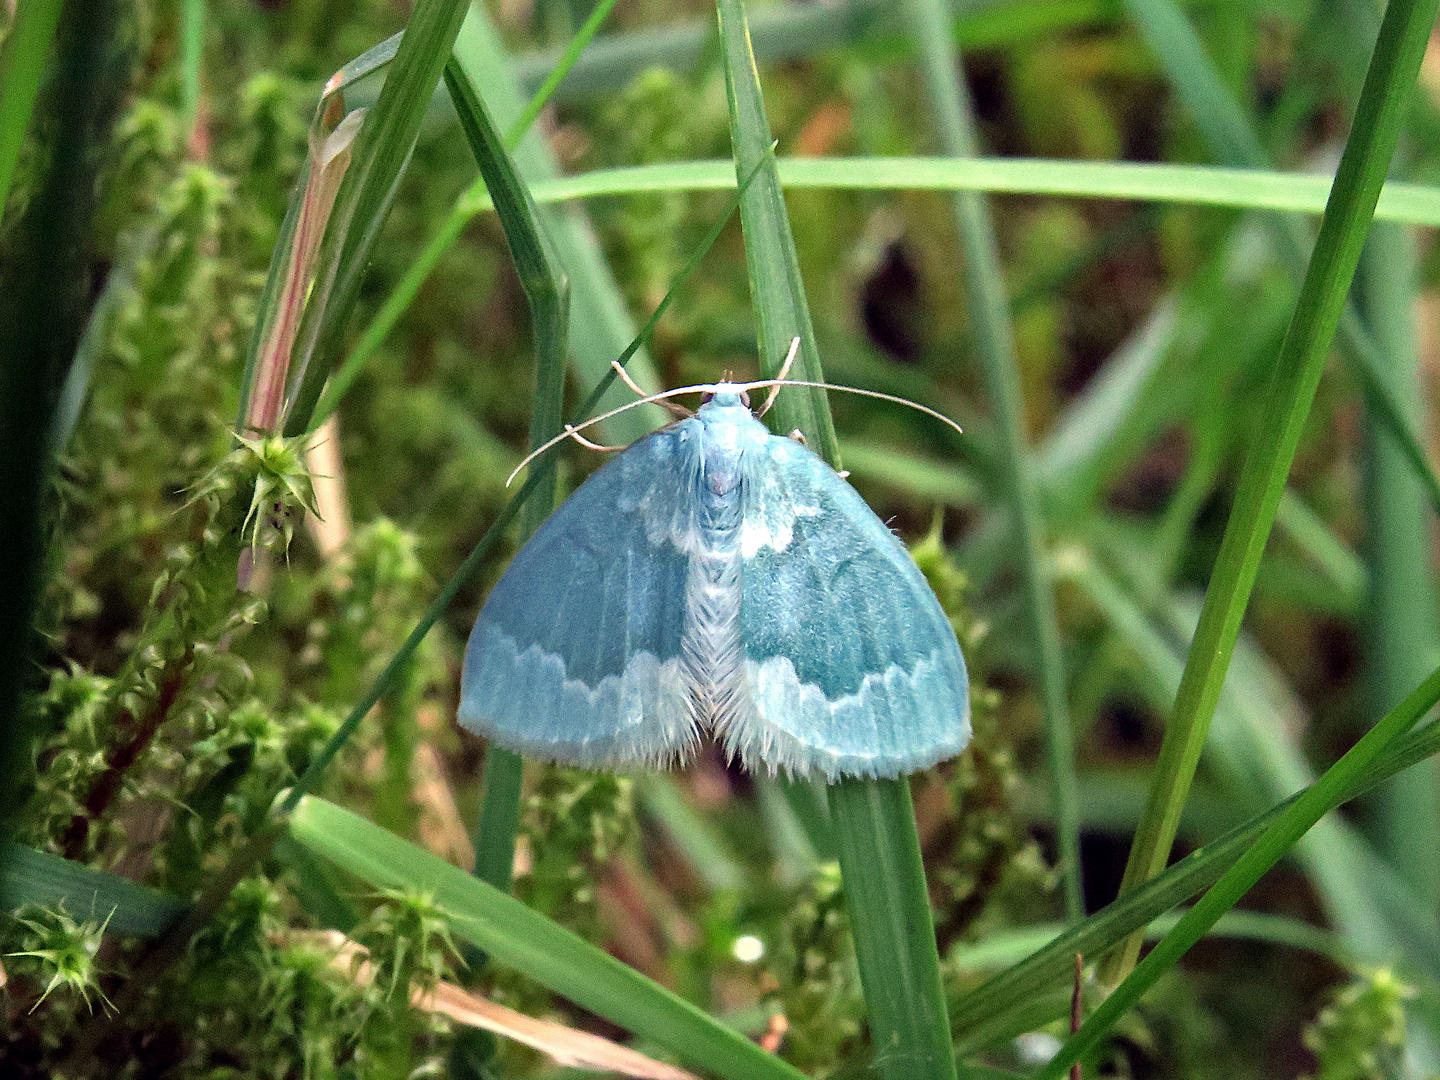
x=568, y=1047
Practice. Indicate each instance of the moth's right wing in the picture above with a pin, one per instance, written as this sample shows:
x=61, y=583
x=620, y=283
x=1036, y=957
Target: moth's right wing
x=576, y=656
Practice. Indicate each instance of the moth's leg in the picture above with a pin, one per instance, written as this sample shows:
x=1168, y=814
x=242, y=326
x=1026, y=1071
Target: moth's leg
x=798, y=436
x=781, y=377
x=674, y=408
x=571, y=430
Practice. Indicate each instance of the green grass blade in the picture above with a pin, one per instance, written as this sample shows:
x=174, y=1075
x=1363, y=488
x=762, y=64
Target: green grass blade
x=777, y=292
x=38, y=877
x=1195, y=185
x=1278, y=837
x=547, y=290
x=405, y=292
x=879, y=853
x=989, y=306
x=192, y=59
x=1292, y=388
x=703, y=848
x=521, y=124
x=381, y=150
x=874, y=820
x=22, y=66
x=517, y=937
x=1402, y=618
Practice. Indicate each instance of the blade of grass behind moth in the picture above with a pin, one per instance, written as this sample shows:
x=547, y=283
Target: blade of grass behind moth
x=533, y=945
x=521, y=124
x=1194, y=185
x=547, y=290
x=47, y=880
x=1232, y=141
x=1052, y=966
x=989, y=308
x=1292, y=388
x=405, y=292
x=192, y=58
x=22, y=66
x=381, y=150
x=874, y=820
x=1269, y=848
x=1402, y=620
x=42, y=309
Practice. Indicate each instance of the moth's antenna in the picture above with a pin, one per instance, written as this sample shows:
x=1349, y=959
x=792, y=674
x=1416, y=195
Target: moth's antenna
x=777, y=382
x=780, y=378
x=571, y=429
x=675, y=410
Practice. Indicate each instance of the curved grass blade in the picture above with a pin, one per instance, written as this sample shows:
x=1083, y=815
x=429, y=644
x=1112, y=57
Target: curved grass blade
x=404, y=293
x=381, y=151
x=514, y=935
x=547, y=289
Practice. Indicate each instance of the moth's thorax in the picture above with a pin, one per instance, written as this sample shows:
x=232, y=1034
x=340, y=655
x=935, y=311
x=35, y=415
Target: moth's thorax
x=727, y=430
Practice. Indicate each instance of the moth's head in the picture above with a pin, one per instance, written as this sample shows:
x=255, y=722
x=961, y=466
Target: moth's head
x=725, y=395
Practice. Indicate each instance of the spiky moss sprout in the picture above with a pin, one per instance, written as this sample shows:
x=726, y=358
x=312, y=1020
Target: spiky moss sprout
x=61, y=955
x=1360, y=1034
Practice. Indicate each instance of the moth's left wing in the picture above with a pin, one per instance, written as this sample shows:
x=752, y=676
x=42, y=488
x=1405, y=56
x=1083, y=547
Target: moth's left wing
x=853, y=668
x=576, y=655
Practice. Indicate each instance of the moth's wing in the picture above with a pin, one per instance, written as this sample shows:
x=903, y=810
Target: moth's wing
x=576, y=654
x=852, y=666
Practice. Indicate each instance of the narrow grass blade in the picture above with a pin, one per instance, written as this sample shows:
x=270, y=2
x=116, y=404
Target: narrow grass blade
x=82, y=892
x=1278, y=837
x=22, y=66
x=1196, y=185
x=521, y=124
x=514, y=935
x=382, y=149
x=701, y=846
x=989, y=306
x=1292, y=388
x=874, y=820
x=192, y=59
x=1402, y=618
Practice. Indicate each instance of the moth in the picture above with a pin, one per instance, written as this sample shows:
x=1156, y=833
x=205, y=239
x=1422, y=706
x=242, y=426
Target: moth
x=717, y=577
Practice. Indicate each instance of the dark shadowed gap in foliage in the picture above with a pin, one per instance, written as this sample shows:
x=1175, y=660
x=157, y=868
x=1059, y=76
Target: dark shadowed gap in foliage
x=1147, y=486
x=43, y=296
x=892, y=305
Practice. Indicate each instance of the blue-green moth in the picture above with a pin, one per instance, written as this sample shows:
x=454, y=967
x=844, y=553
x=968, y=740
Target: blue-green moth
x=717, y=577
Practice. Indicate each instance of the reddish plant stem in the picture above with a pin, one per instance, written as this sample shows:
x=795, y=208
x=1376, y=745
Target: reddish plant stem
x=121, y=758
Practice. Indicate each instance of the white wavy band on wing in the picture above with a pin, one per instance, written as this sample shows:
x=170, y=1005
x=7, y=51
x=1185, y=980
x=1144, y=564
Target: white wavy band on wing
x=524, y=700
x=884, y=729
